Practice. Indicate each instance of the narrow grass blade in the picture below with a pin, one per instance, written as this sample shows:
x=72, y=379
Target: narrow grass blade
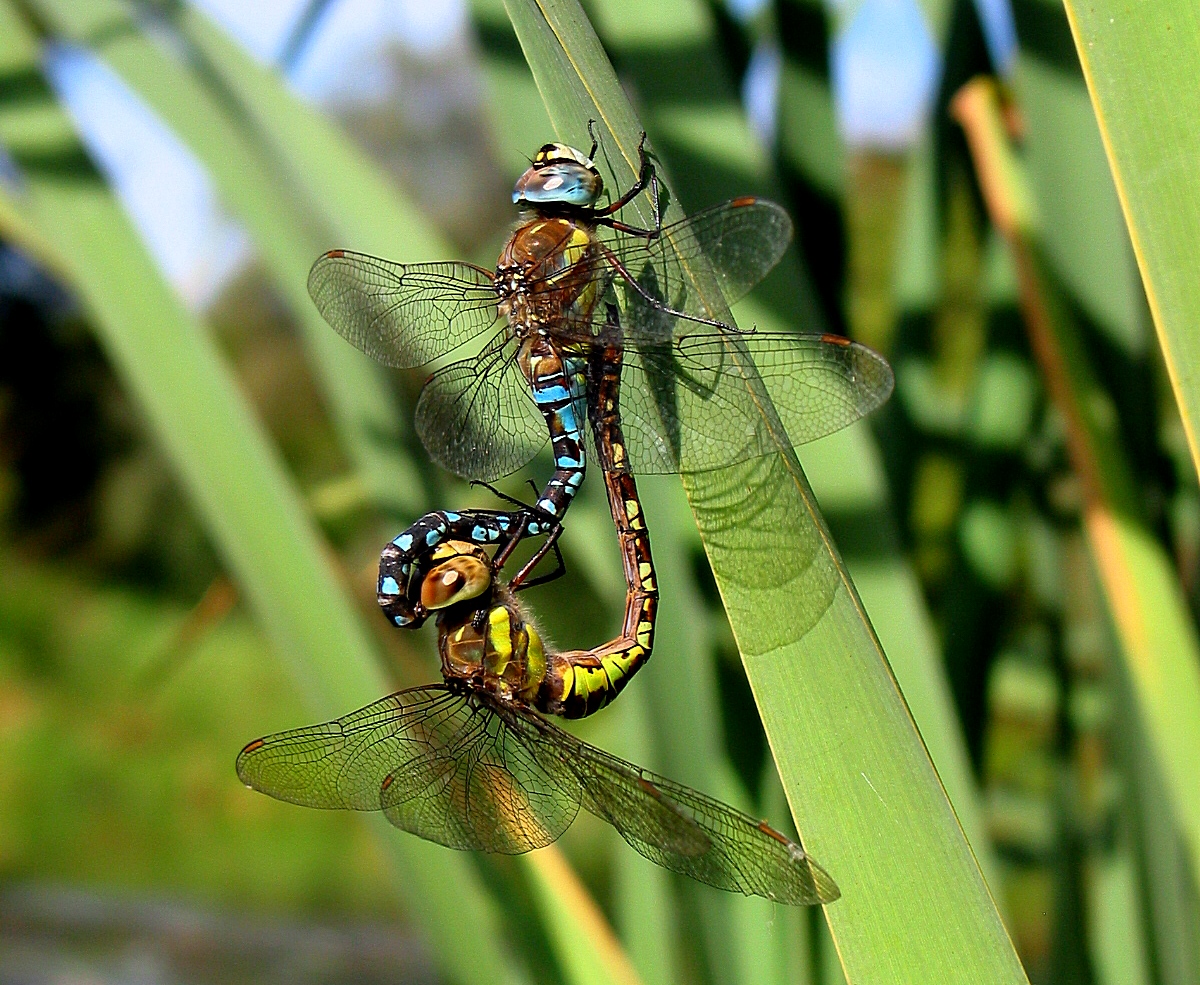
x=569, y=912
x=855, y=501
x=643, y=893
x=351, y=195
x=1081, y=228
x=860, y=784
x=1117, y=948
x=1167, y=888
x=1141, y=67
x=273, y=208
x=233, y=476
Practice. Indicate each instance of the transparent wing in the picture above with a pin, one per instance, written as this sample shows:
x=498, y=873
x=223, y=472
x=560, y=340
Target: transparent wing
x=682, y=829
x=403, y=315
x=741, y=240
x=477, y=418
x=437, y=764
x=692, y=405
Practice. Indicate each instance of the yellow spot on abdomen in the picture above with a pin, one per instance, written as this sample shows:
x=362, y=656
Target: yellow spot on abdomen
x=617, y=665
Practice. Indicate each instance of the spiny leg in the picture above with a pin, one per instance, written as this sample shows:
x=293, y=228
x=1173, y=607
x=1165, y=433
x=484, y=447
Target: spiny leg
x=522, y=581
x=647, y=178
x=549, y=524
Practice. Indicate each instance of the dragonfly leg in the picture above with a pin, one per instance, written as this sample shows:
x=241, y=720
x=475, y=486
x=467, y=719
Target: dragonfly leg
x=521, y=522
x=595, y=142
x=646, y=179
x=657, y=303
x=507, y=498
x=520, y=582
x=624, y=227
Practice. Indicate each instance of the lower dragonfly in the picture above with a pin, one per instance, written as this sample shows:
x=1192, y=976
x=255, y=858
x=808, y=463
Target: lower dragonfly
x=471, y=764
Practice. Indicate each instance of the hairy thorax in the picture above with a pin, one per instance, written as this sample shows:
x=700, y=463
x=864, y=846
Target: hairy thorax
x=545, y=275
x=494, y=648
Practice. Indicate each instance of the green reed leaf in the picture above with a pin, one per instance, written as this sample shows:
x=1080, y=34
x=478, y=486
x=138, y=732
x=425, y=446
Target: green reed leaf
x=250, y=507
x=1141, y=68
x=861, y=787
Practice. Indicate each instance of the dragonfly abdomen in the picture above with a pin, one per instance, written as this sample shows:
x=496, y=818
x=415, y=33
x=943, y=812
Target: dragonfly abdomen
x=559, y=389
x=579, y=683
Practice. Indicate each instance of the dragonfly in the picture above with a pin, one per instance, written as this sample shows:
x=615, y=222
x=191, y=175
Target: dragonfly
x=578, y=683
x=473, y=763
x=691, y=379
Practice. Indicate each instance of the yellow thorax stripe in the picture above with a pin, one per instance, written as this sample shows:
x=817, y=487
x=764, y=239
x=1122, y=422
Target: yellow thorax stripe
x=499, y=639
x=535, y=661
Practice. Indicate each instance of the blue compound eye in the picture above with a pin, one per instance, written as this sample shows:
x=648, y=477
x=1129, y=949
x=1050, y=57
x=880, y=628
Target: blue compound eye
x=562, y=182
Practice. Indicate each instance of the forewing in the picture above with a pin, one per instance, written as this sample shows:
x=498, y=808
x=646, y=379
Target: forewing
x=684, y=830
x=341, y=764
x=696, y=267
x=477, y=418
x=437, y=765
x=743, y=240
x=693, y=405
x=403, y=315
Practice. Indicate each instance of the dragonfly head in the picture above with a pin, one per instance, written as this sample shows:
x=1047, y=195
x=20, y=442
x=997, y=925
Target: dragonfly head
x=559, y=175
x=460, y=571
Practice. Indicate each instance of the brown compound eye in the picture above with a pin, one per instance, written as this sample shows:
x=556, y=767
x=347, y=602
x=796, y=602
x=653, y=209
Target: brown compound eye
x=455, y=580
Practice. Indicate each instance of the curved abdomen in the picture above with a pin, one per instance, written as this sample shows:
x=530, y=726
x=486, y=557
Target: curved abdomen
x=580, y=682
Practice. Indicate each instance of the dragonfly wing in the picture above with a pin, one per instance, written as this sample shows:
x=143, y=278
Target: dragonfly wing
x=437, y=765
x=743, y=240
x=744, y=855
x=477, y=418
x=614, y=790
x=686, y=831
x=403, y=315
x=697, y=267
x=695, y=404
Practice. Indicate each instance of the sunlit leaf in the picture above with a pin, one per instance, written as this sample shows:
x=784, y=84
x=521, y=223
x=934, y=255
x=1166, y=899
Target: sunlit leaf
x=864, y=794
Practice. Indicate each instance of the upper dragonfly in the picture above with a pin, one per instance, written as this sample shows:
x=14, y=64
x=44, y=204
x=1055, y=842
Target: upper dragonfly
x=692, y=397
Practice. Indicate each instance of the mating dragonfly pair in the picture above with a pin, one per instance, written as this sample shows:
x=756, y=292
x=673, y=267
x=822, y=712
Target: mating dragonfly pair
x=661, y=383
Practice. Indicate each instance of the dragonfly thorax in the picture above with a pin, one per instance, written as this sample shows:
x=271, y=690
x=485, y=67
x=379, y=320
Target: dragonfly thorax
x=545, y=275
x=495, y=649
